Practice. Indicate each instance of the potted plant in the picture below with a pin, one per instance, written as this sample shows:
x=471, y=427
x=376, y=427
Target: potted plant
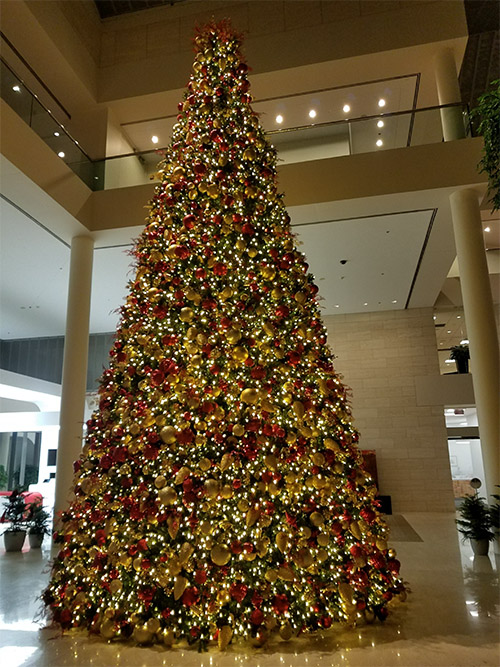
x=39, y=524
x=475, y=523
x=460, y=353
x=14, y=515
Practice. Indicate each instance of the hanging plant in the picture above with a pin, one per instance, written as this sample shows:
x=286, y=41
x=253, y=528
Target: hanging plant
x=488, y=114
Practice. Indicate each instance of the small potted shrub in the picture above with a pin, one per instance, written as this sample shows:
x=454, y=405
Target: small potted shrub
x=460, y=353
x=39, y=525
x=14, y=514
x=475, y=523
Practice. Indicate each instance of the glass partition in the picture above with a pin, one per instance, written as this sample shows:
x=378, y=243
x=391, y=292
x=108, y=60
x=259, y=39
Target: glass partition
x=14, y=92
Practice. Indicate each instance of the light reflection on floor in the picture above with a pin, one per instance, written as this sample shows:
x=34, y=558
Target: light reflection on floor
x=450, y=619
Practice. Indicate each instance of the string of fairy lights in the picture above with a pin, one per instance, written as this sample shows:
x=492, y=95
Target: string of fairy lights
x=220, y=492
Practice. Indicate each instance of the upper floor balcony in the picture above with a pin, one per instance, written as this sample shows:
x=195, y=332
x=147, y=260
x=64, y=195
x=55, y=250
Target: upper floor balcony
x=320, y=124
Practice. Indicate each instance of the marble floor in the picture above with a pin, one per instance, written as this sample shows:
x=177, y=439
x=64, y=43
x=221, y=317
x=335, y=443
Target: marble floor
x=450, y=618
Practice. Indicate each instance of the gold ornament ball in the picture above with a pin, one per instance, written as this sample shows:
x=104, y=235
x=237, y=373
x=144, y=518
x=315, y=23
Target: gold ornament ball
x=286, y=632
x=107, y=629
x=186, y=314
x=142, y=635
x=167, y=496
x=220, y=555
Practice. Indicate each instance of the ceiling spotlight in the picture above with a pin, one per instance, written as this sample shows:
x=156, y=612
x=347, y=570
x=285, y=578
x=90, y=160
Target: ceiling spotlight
x=448, y=331
x=57, y=134
x=337, y=305
x=62, y=154
x=459, y=317
x=365, y=304
x=394, y=301
x=380, y=123
x=346, y=108
x=154, y=139
x=487, y=229
x=279, y=118
x=381, y=102
x=16, y=88
x=312, y=113
x=379, y=142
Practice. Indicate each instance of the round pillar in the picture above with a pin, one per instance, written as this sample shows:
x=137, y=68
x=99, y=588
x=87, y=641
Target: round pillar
x=448, y=93
x=74, y=374
x=481, y=328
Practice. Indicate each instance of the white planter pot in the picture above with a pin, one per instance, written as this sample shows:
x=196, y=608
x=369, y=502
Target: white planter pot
x=480, y=547
x=14, y=540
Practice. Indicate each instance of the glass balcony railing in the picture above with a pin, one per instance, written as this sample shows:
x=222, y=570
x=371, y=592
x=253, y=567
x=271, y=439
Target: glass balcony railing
x=26, y=104
x=350, y=136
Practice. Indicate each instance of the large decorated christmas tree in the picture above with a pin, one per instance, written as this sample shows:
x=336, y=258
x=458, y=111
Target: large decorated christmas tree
x=220, y=492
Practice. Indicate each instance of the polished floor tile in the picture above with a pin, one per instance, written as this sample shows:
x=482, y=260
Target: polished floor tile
x=450, y=618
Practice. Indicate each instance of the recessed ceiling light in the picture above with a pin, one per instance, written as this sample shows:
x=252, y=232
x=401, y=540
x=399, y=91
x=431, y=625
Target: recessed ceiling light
x=57, y=134
x=346, y=108
x=487, y=229
x=154, y=139
x=381, y=102
x=379, y=142
x=465, y=341
x=448, y=331
x=62, y=154
x=312, y=113
x=365, y=304
x=434, y=317
x=279, y=118
x=337, y=305
x=449, y=361
x=458, y=317
x=16, y=88
x=380, y=123
x=394, y=301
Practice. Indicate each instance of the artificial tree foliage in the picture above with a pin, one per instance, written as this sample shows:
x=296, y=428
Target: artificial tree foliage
x=220, y=492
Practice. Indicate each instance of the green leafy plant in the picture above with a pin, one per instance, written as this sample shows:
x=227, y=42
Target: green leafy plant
x=494, y=511
x=3, y=477
x=14, y=514
x=487, y=113
x=460, y=353
x=475, y=521
x=38, y=519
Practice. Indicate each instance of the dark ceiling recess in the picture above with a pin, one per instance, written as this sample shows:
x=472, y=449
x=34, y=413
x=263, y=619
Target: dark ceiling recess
x=481, y=63
x=108, y=8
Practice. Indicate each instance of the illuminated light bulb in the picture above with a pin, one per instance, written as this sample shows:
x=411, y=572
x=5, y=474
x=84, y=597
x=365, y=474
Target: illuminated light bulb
x=279, y=118
x=16, y=88
x=381, y=102
x=312, y=113
x=62, y=154
x=154, y=139
x=487, y=229
x=346, y=108
x=379, y=142
x=380, y=123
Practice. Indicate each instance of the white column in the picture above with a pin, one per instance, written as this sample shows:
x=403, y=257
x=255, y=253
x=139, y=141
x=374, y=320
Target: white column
x=481, y=328
x=448, y=93
x=74, y=375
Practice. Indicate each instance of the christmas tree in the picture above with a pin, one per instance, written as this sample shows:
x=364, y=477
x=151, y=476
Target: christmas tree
x=220, y=492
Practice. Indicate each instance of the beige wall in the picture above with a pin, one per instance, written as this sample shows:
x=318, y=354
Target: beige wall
x=380, y=355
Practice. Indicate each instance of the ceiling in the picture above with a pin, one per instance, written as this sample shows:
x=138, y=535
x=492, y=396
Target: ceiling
x=108, y=8
x=351, y=275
